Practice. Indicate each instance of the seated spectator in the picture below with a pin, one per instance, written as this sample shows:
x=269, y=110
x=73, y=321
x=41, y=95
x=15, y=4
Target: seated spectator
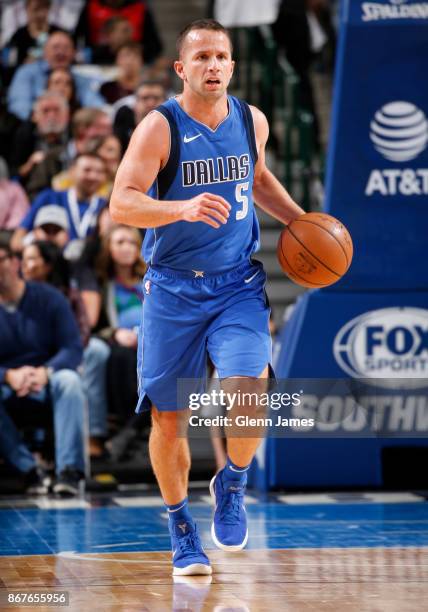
x=51, y=225
x=61, y=81
x=40, y=350
x=115, y=32
x=80, y=202
x=39, y=147
x=110, y=151
x=30, y=80
x=8, y=125
x=120, y=271
x=14, y=202
x=304, y=31
x=136, y=12
x=84, y=271
x=149, y=95
x=129, y=60
x=87, y=126
x=26, y=45
x=43, y=262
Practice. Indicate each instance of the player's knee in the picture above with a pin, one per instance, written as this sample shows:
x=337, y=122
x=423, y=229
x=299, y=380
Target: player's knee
x=168, y=424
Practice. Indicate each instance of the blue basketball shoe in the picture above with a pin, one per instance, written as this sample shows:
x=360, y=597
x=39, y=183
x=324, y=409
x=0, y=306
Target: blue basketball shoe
x=188, y=556
x=229, y=528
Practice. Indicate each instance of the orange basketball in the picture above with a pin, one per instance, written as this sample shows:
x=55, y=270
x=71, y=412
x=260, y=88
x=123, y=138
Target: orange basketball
x=315, y=250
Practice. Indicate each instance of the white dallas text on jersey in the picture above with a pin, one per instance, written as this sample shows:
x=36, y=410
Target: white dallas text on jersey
x=218, y=170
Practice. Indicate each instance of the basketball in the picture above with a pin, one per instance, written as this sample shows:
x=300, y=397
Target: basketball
x=315, y=250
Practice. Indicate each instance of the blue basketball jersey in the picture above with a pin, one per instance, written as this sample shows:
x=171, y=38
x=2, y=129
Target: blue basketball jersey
x=219, y=161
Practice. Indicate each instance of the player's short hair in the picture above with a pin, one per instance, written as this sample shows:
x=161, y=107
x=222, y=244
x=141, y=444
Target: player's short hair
x=202, y=24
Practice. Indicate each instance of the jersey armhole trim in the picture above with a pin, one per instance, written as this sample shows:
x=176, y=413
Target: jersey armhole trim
x=156, y=110
x=167, y=173
x=250, y=129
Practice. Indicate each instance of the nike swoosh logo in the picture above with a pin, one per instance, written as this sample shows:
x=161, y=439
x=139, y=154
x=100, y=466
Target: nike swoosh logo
x=248, y=280
x=189, y=139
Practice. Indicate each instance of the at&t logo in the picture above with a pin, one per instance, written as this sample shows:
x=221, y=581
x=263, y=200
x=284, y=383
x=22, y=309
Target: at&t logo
x=387, y=343
x=399, y=132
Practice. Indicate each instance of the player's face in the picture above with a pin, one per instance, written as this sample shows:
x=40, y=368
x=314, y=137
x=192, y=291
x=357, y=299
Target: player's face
x=206, y=65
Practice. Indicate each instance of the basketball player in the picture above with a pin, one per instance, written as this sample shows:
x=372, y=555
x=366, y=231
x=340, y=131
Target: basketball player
x=189, y=176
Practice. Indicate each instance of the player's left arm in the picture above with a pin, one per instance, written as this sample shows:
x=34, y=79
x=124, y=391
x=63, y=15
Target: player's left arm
x=268, y=192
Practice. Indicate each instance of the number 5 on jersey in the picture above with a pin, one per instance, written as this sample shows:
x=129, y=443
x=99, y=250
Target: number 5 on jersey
x=241, y=198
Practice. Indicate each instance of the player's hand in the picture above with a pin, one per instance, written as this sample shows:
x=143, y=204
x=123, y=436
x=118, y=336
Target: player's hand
x=126, y=337
x=20, y=380
x=206, y=207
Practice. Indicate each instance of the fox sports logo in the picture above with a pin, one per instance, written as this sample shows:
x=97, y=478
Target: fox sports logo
x=399, y=131
x=390, y=343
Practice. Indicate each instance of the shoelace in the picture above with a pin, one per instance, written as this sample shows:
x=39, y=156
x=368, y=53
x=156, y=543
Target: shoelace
x=230, y=509
x=188, y=543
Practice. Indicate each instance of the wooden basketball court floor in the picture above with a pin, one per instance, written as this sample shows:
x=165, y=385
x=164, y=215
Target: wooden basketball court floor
x=306, y=552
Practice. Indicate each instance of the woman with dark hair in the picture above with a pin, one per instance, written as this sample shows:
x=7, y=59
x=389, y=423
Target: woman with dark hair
x=60, y=80
x=43, y=261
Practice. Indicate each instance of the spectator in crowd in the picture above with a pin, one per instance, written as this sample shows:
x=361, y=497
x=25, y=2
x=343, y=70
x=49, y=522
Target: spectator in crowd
x=61, y=82
x=85, y=269
x=39, y=148
x=116, y=31
x=40, y=350
x=8, y=124
x=51, y=225
x=304, y=30
x=87, y=126
x=80, y=202
x=129, y=61
x=149, y=95
x=30, y=80
x=43, y=262
x=110, y=151
x=14, y=203
x=97, y=12
x=26, y=45
x=120, y=271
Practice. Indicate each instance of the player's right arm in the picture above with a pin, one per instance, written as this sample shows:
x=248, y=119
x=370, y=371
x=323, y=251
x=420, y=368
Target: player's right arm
x=146, y=155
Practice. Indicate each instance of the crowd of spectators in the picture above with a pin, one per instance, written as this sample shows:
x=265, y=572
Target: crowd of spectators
x=75, y=82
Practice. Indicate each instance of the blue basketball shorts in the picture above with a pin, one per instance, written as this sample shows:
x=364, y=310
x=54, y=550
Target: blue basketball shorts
x=187, y=316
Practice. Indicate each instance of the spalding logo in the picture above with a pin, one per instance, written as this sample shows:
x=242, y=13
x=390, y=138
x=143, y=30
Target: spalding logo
x=387, y=343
